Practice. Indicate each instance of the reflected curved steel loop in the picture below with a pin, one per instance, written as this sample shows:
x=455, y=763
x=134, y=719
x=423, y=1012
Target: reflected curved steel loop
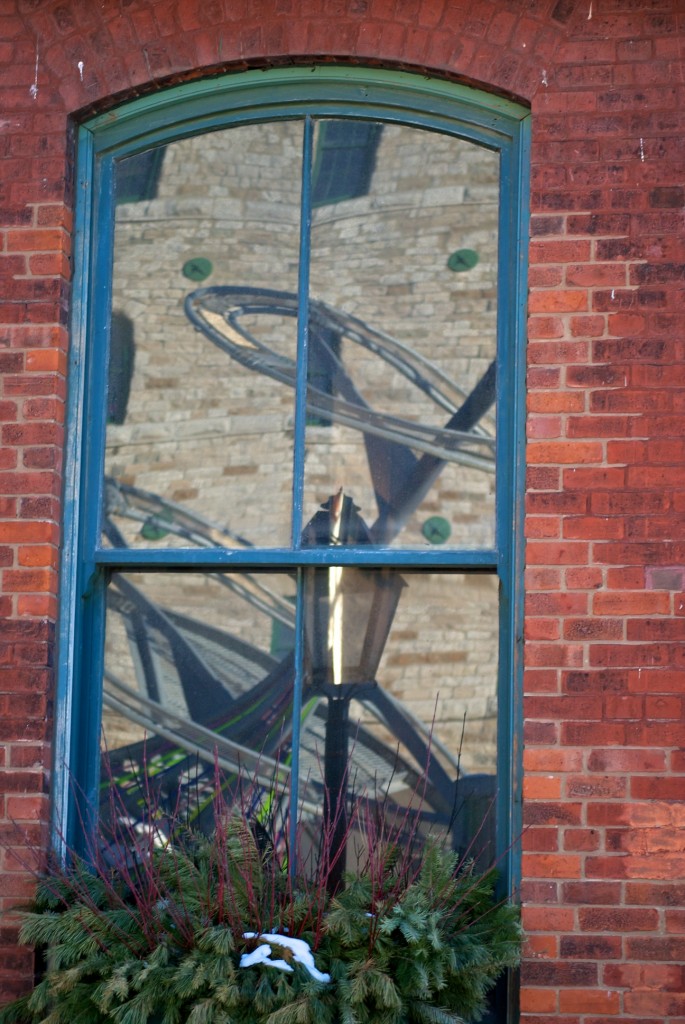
x=218, y=312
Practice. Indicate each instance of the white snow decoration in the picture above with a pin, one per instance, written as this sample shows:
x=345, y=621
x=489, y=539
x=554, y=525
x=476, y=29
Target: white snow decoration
x=300, y=949
x=262, y=955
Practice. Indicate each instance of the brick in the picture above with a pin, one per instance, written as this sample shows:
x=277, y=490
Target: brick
x=544, y=426
x=27, y=808
x=591, y=275
x=593, y=528
x=553, y=654
x=628, y=578
x=545, y=919
x=596, y=787
x=560, y=973
x=588, y=733
x=625, y=761
x=541, y=579
x=642, y=655
x=28, y=580
x=38, y=556
x=540, y=681
x=590, y=947
x=542, y=352
x=563, y=401
x=618, y=919
x=583, y=579
x=548, y=251
x=670, y=1005
x=594, y=478
x=542, y=629
x=597, y=1001
x=595, y=376
x=561, y=812
x=542, y=526
x=544, y=787
x=631, y=603
x=552, y=760
x=36, y=240
x=662, y=949
x=564, y=452
x=623, y=706
x=629, y=503
x=43, y=360
x=675, y=923
x=592, y=893
x=581, y=840
x=563, y=707
x=538, y=1001
x=554, y=301
x=597, y=426
x=540, y=840
x=551, y=866
x=30, y=433
x=590, y=326
x=647, y=788
x=558, y=502
x=32, y=532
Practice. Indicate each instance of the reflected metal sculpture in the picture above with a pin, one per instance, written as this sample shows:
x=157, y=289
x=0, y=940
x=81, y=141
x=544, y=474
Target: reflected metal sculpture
x=233, y=692
x=221, y=314
x=223, y=714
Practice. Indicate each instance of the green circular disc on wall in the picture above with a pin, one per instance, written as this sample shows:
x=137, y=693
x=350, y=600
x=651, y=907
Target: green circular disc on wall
x=436, y=530
x=153, y=527
x=462, y=259
x=197, y=269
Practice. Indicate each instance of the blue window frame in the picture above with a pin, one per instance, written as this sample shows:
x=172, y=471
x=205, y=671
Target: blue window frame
x=213, y=490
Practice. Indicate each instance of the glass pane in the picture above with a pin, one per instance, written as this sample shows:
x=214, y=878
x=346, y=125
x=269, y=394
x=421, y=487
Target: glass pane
x=403, y=332
x=198, y=679
x=199, y=430
x=402, y=669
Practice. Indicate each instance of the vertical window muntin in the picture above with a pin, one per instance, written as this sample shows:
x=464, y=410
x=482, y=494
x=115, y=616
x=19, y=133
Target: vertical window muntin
x=96, y=563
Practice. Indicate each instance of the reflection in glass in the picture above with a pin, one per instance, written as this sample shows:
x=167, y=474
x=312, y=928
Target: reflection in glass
x=413, y=382
x=190, y=425
x=399, y=669
x=199, y=670
x=421, y=730
x=198, y=676
x=401, y=382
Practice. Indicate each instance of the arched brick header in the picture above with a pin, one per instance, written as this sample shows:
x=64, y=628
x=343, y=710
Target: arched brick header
x=605, y=659
x=88, y=53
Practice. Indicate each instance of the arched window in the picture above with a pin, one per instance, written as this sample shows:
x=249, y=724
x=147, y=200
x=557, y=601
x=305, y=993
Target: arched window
x=293, y=540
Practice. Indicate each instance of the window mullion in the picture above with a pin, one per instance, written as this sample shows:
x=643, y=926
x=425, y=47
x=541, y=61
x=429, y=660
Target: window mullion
x=298, y=685
x=302, y=334
x=298, y=473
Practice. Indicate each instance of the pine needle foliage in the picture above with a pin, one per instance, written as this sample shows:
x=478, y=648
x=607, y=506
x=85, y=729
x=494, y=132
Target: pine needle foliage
x=156, y=933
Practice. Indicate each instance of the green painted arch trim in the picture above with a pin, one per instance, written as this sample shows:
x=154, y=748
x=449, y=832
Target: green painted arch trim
x=206, y=105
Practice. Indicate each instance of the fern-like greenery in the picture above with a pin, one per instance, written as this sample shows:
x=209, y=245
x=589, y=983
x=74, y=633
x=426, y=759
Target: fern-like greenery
x=159, y=938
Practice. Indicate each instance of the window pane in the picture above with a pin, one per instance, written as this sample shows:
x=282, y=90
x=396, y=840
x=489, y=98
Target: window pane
x=407, y=682
x=403, y=316
x=197, y=668
x=189, y=424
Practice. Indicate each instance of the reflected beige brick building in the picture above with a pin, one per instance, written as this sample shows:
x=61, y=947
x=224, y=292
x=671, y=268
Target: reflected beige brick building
x=203, y=431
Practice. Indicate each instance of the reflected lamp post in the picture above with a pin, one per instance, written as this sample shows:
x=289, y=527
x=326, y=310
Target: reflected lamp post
x=348, y=616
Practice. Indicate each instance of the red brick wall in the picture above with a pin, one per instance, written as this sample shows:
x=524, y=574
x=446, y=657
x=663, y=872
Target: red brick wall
x=604, y=853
